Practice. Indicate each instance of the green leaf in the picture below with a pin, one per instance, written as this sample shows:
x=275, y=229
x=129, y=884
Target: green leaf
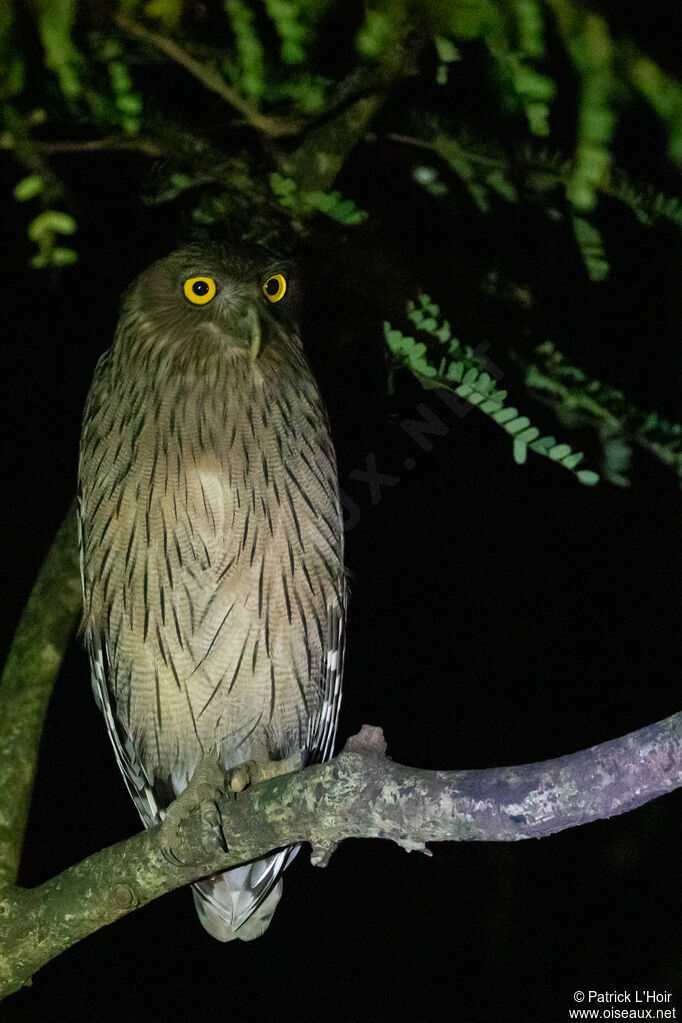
x=375, y=35
x=591, y=245
x=572, y=460
x=249, y=48
x=532, y=84
x=526, y=436
x=55, y=22
x=169, y=12
x=517, y=425
x=542, y=445
x=129, y=103
x=491, y=405
x=63, y=257
x=50, y=221
x=538, y=118
x=505, y=415
x=559, y=452
x=120, y=77
x=281, y=185
x=455, y=371
x=40, y=260
x=520, y=451
x=394, y=338
x=501, y=184
x=423, y=367
x=447, y=51
x=29, y=187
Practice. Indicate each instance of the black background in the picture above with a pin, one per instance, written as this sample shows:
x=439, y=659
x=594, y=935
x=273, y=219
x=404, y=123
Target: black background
x=499, y=615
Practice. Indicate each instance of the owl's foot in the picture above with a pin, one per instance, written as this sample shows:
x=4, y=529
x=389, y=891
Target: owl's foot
x=240, y=777
x=203, y=791
x=251, y=771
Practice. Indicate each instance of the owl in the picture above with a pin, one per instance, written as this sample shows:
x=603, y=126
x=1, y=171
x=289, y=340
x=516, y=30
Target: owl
x=211, y=544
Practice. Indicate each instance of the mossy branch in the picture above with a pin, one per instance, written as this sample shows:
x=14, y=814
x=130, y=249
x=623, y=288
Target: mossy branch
x=358, y=794
x=317, y=161
x=26, y=683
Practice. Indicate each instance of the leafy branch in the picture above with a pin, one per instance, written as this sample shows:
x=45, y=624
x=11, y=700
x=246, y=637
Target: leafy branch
x=270, y=126
x=450, y=364
x=572, y=394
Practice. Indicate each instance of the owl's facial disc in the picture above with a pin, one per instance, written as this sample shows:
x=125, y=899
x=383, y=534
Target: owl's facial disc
x=233, y=314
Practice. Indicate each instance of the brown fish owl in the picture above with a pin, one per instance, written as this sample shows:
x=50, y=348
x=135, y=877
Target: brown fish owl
x=211, y=544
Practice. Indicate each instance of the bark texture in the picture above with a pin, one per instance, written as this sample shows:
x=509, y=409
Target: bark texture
x=359, y=794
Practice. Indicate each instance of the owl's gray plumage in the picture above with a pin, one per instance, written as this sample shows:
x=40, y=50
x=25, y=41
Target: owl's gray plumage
x=212, y=546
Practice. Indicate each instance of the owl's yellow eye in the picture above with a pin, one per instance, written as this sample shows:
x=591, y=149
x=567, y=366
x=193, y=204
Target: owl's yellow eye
x=275, y=287
x=199, y=290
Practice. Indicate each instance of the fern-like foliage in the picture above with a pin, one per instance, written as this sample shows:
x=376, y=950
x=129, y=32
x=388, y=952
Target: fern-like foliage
x=441, y=360
x=488, y=175
x=93, y=67
x=592, y=250
x=571, y=392
x=301, y=201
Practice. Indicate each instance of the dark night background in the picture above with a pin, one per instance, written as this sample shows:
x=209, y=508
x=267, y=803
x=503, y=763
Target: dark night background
x=499, y=615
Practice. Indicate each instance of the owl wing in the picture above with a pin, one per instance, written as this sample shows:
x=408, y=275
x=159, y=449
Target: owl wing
x=138, y=782
x=323, y=723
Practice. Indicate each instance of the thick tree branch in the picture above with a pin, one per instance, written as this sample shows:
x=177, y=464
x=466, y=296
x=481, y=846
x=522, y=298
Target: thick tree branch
x=317, y=161
x=359, y=794
x=26, y=683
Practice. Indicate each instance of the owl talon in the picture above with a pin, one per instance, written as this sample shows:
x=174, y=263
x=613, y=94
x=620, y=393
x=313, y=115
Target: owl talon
x=251, y=772
x=208, y=780
x=240, y=777
x=202, y=793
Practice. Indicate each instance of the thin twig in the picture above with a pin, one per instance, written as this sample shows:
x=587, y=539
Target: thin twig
x=271, y=126
x=110, y=143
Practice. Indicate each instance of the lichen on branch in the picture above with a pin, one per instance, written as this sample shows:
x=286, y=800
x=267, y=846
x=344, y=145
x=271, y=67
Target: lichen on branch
x=359, y=794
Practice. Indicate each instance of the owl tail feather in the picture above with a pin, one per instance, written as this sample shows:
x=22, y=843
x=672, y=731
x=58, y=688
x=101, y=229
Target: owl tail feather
x=240, y=903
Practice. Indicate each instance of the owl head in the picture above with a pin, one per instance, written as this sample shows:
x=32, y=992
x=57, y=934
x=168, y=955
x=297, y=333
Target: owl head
x=235, y=300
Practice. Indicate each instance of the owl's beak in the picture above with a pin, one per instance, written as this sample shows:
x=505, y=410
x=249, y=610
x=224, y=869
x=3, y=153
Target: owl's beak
x=243, y=327
x=253, y=321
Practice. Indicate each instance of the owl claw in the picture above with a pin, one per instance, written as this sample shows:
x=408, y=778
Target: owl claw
x=240, y=777
x=251, y=772
x=205, y=788
x=207, y=781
